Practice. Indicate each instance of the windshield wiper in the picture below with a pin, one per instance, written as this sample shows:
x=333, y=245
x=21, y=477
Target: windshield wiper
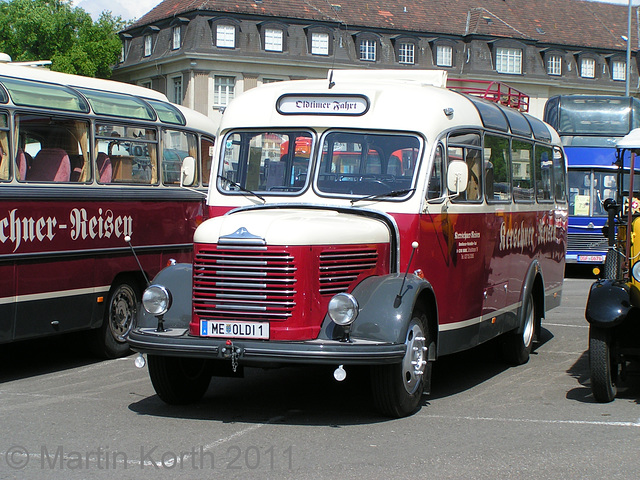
x=393, y=193
x=241, y=188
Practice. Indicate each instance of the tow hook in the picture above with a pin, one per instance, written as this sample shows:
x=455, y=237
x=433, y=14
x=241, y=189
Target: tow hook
x=232, y=352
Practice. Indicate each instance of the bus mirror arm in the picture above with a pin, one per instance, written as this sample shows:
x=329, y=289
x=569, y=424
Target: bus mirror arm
x=128, y=240
x=398, y=299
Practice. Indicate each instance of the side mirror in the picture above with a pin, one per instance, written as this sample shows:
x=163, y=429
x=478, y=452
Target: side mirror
x=188, y=172
x=457, y=176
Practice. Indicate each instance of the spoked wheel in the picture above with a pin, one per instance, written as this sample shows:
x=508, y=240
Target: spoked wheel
x=516, y=347
x=177, y=380
x=120, y=313
x=397, y=388
x=603, y=365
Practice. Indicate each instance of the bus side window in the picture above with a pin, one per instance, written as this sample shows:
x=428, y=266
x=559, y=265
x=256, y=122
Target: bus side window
x=434, y=189
x=4, y=156
x=543, y=173
x=206, y=151
x=496, y=167
x=521, y=168
x=560, y=178
x=466, y=146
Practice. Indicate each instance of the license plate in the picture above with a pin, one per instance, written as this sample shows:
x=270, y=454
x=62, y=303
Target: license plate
x=591, y=258
x=213, y=328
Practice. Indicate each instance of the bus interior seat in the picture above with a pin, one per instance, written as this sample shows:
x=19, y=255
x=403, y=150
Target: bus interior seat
x=105, y=169
x=50, y=165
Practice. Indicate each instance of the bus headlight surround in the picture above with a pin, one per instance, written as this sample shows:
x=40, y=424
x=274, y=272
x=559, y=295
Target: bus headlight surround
x=156, y=300
x=343, y=309
x=635, y=271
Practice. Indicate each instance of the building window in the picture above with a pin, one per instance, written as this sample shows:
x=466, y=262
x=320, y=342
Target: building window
x=319, y=43
x=225, y=36
x=554, y=65
x=444, y=56
x=273, y=39
x=368, y=50
x=271, y=80
x=146, y=84
x=619, y=70
x=406, y=53
x=175, y=44
x=223, y=92
x=588, y=68
x=147, y=45
x=509, y=60
x=176, y=83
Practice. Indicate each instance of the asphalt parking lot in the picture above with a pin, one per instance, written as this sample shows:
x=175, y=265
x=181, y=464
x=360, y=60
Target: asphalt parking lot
x=65, y=415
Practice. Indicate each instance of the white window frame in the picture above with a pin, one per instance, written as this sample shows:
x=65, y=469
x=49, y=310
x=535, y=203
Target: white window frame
x=176, y=37
x=588, y=68
x=148, y=45
x=444, y=55
x=368, y=50
x=319, y=43
x=176, y=89
x=619, y=70
x=223, y=90
x=225, y=36
x=273, y=40
x=407, y=53
x=509, y=60
x=554, y=65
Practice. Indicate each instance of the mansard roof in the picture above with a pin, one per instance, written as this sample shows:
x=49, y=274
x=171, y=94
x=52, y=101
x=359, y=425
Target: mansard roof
x=574, y=23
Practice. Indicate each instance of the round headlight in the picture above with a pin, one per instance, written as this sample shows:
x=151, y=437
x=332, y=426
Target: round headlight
x=156, y=300
x=635, y=271
x=343, y=309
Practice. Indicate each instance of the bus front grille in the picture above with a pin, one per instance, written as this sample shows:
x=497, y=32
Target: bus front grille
x=254, y=284
x=339, y=269
x=595, y=241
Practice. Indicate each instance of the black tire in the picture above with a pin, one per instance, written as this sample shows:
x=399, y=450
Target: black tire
x=603, y=365
x=611, y=264
x=517, y=346
x=119, y=315
x=397, y=388
x=178, y=380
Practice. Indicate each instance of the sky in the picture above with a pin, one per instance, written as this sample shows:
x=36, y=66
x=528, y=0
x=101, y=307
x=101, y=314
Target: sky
x=134, y=9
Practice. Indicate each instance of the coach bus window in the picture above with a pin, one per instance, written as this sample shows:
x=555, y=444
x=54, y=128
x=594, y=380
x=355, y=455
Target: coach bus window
x=434, y=189
x=543, y=173
x=132, y=151
x=560, y=178
x=52, y=149
x=4, y=148
x=466, y=147
x=521, y=161
x=496, y=167
x=176, y=145
x=206, y=151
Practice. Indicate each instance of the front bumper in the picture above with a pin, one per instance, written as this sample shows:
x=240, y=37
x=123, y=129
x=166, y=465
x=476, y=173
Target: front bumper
x=178, y=342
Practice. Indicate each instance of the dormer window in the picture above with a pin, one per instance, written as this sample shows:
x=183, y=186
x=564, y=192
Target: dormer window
x=273, y=40
x=319, y=43
x=406, y=52
x=444, y=55
x=176, y=37
x=225, y=36
x=588, y=68
x=618, y=70
x=554, y=64
x=368, y=50
x=148, y=45
x=509, y=60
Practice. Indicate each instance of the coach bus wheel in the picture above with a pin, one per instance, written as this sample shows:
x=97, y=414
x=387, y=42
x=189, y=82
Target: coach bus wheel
x=517, y=346
x=611, y=264
x=398, y=388
x=603, y=365
x=120, y=313
x=177, y=380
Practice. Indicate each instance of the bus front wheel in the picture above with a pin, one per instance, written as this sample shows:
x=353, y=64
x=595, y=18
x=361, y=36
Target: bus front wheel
x=517, y=346
x=120, y=313
x=602, y=364
x=177, y=380
x=398, y=388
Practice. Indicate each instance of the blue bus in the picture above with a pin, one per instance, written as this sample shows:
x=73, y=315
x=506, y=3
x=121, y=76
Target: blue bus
x=589, y=127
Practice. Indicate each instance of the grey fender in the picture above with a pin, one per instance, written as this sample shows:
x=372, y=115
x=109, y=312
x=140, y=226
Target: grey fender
x=177, y=280
x=381, y=318
x=609, y=303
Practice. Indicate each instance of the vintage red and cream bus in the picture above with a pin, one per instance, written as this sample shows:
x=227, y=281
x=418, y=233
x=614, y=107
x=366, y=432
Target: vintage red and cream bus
x=86, y=165
x=418, y=222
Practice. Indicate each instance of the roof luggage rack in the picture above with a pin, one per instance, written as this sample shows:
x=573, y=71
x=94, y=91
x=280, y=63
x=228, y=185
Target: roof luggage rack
x=497, y=92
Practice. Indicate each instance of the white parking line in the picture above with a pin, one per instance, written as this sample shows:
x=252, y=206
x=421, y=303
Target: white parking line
x=533, y=420
x=563, y=325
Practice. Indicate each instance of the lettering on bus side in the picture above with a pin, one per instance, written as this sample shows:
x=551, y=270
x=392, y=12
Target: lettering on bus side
x=16, y=229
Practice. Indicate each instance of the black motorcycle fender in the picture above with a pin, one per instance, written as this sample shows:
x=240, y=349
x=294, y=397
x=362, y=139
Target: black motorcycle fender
x=609, y=303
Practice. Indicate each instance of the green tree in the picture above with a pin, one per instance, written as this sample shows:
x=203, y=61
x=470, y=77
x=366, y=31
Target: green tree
x=53, y=30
